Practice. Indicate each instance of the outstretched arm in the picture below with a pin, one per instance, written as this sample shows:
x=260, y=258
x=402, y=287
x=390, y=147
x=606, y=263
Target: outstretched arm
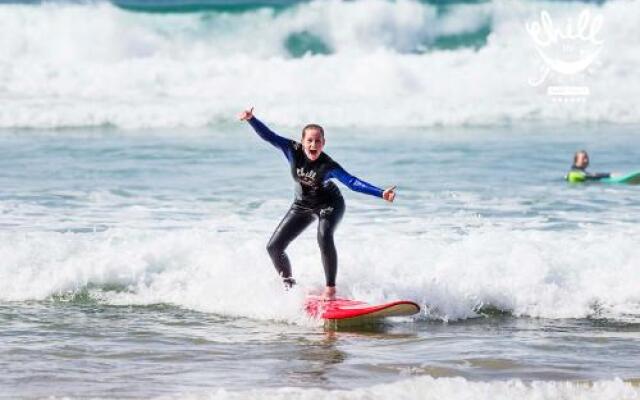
x=361, y=186
x=597, y=176
x=267, y=134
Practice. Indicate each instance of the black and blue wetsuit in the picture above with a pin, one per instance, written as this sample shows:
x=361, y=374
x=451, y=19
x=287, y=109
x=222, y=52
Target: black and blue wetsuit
x=316, y=196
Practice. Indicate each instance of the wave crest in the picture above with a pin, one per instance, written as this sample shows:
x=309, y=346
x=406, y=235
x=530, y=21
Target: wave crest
x=367, y=62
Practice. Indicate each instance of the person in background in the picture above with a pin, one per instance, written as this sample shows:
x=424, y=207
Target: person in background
x=578, y=171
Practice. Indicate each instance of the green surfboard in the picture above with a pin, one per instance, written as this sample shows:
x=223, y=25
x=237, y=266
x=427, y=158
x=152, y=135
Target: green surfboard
x=632, y=178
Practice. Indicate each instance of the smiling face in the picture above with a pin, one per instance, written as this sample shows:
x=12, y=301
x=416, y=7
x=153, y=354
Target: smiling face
x=312, y=142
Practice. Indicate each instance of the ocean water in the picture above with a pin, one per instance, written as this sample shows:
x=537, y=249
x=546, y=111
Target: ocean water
x=135, y=208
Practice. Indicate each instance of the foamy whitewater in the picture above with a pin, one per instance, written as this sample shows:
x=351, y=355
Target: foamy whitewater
x=351, y=63
x=135, y=209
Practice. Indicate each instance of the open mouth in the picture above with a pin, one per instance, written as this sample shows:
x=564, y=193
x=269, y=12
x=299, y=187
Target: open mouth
x=313, y=153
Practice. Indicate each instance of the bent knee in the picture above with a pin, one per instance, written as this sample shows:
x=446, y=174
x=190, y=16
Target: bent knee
x=325, y=236
x=273, y=248
x=276, y=247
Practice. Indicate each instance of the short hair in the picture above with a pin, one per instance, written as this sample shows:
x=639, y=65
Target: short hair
x=575, y=156
x=313, y=126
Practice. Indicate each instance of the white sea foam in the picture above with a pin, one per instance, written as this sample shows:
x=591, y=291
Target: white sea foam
x=551, y=274
x=427, y=388
x=65, y=65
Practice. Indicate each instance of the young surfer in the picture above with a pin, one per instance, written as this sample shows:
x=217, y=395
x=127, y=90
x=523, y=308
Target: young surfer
x=578, y=171
x=316, y=196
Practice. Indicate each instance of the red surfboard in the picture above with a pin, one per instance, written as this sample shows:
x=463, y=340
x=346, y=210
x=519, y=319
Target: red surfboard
x=344, y=312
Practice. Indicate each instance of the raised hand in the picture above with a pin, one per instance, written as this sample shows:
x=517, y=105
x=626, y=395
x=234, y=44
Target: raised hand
x=246, y=115
x=389, y=194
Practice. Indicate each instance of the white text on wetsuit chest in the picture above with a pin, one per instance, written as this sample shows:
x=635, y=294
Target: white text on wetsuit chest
x=308, y=178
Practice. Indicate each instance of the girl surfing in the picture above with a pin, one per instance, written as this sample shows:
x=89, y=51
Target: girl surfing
x=316, y=196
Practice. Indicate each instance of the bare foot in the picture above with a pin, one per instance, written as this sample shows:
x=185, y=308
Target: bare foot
x=329, y=293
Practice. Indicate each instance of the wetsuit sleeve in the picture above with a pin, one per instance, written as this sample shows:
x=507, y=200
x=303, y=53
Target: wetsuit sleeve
x=268, y=135
x=598, y=176
x=354, y=183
